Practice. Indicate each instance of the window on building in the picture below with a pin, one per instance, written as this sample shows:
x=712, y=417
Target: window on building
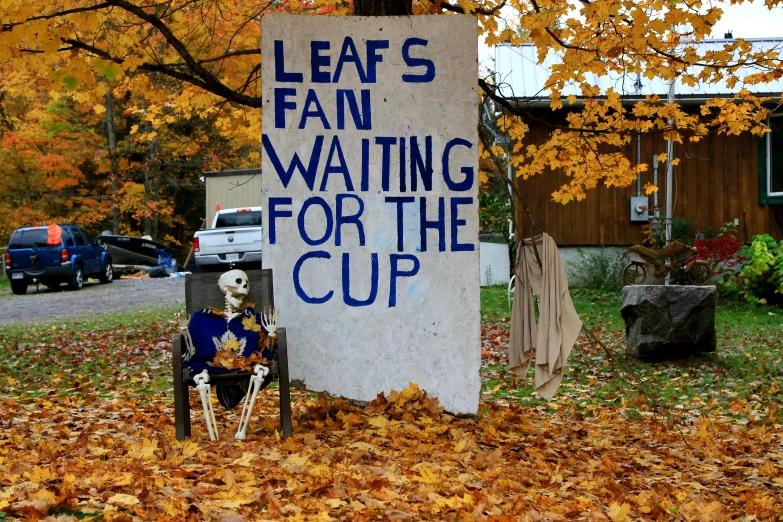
x=775, y=156
x=771, y=163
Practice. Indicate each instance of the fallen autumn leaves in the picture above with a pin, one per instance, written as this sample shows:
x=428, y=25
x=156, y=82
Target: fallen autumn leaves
x=77, y=447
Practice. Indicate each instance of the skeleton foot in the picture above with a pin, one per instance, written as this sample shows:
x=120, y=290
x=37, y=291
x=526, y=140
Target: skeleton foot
x=250, y=400
x=205, y=390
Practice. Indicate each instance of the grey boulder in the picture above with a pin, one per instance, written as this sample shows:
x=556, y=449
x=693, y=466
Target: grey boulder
x=665, y=322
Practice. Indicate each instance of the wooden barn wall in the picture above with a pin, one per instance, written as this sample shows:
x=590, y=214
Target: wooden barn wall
x=715, y=182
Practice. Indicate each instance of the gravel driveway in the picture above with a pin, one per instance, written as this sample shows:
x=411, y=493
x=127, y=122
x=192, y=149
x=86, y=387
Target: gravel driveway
x=121, y=295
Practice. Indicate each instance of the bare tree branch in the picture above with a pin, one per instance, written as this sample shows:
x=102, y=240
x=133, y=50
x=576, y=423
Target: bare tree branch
x=479, y=11
x=96, y=7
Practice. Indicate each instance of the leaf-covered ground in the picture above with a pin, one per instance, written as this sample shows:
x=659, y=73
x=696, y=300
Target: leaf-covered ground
x=86, y=432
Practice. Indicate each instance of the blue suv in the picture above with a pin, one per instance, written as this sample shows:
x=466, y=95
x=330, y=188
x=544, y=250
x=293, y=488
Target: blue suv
x=54, y=255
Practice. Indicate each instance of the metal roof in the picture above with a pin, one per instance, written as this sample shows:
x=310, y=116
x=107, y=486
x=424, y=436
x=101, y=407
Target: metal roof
x=519, y=75
x=237, y=172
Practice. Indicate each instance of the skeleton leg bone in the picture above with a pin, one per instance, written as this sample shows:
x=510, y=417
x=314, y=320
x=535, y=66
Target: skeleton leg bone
x=247, y=409
x=205, y=389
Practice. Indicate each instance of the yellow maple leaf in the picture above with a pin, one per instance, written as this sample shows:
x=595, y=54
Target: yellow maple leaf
x=250, y=324
x=231, y=345
x=335, y=503
x=412, y=392
x=246, y=459
x=189, y=449
x=124, y=479
x=378, y=422
x=39, y=475
x=619, y=513
x=427, y=476
x=123, y=500
x=144, y=450
x=44, y=495
x=649, y=188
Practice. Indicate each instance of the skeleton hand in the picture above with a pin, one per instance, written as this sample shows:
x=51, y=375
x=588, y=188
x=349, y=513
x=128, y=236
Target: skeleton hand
x=183, y=320
x=269, y=320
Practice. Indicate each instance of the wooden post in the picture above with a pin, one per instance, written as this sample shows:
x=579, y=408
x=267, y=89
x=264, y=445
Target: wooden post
x=187, y=259
x=285, y=383
x=181, y=392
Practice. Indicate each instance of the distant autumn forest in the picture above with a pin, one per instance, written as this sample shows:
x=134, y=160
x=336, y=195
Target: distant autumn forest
x=65, y=159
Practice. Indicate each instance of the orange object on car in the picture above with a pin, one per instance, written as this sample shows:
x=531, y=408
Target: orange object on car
x=55, y=235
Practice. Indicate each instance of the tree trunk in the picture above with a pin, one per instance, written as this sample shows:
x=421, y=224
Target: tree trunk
x=152, y=184
x=147, y=223
x=111, y=134
x=156, y=182
x=148, y=166
x=382, y=7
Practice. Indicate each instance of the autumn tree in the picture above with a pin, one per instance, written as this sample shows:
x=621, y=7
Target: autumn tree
x=212, y=48
x=49, y=168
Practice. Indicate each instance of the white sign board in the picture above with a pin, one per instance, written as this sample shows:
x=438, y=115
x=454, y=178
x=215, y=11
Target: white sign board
x=370, y=197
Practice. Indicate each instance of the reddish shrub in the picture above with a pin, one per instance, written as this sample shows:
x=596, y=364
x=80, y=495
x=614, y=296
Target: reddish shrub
x=722, y=253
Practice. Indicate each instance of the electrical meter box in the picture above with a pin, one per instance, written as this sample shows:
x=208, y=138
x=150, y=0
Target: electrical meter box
x=639, y=207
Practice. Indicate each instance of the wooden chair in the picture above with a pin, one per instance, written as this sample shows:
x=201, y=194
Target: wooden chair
x=201, y=291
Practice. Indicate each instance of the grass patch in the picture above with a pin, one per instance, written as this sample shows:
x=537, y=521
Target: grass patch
x=125, y=355
x=130, y=319
x=740, y=381
x=494, y=304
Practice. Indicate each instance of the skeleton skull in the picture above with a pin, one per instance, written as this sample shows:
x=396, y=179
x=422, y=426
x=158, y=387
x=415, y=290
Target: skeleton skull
x=234, y=285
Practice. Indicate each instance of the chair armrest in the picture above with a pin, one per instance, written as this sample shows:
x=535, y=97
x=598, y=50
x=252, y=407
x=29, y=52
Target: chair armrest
x=176, y=348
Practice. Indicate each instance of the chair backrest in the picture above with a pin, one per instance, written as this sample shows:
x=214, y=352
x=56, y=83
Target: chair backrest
x=201, y=290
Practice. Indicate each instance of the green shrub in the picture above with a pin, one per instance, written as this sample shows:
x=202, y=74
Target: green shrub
x=494, y=213
x=682, y=229
x=761, y=278
x=601, y=270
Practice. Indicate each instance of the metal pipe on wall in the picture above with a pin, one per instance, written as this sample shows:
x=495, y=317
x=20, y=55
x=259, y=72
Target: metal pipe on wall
x=669, y=176
x=638, y=161
x=655, y=182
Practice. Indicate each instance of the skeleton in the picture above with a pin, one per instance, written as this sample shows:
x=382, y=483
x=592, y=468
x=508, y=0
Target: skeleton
x=234, y=285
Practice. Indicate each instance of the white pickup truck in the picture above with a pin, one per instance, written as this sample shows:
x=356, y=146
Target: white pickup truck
x=233, y=241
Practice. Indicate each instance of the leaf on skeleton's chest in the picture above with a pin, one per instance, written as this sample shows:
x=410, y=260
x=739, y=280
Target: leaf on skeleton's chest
x=250, y=324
